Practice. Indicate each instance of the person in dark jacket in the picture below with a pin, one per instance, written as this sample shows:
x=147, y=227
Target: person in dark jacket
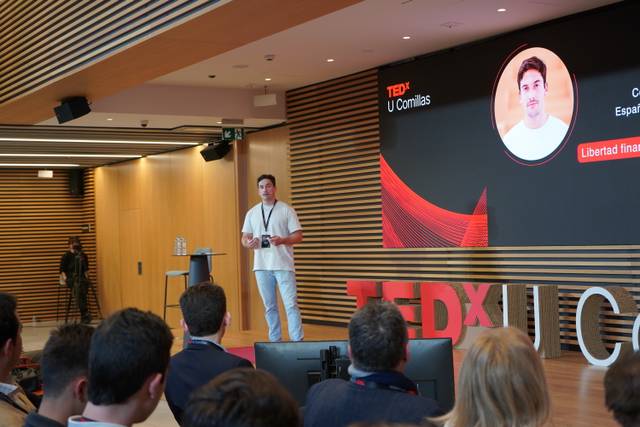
x=64, y=365
x=74, y=272
x=205, y=318
x=14, y=402
x=378, y=390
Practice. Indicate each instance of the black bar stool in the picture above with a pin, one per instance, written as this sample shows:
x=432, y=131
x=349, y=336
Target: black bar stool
x=167, y=275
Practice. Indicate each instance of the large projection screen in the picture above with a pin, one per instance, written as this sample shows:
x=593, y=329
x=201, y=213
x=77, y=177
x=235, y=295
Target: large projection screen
x=482, y=146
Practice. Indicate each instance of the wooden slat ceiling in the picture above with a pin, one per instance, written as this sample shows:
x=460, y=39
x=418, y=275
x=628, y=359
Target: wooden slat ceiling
x=74, y=140
x=52, y=50
x=72, y=34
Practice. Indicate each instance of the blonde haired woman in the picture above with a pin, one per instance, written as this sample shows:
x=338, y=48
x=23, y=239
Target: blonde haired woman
x=501, y=384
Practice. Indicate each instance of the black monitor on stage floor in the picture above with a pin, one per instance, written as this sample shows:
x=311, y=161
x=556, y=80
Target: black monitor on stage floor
x=430, y=366
x=299, y=365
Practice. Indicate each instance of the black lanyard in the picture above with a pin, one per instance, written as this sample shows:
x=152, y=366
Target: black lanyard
x=372, y=384
x=266, y=222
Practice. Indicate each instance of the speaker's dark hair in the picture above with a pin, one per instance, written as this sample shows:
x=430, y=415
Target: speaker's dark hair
x=267, y=176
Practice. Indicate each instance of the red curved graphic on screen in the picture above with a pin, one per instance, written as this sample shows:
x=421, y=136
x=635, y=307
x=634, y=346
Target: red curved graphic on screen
x=409, y=221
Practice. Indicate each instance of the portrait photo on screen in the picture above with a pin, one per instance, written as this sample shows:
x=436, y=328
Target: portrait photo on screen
x=534, y=105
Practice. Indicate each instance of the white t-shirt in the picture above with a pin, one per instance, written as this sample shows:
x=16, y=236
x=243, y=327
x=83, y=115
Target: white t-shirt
x=283, y=222
x=535, y=144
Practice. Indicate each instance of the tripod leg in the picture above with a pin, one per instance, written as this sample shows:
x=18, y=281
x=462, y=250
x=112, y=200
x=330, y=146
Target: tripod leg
x=95, y=297
x=80, y=294
x=58, y=304
x=66, y=316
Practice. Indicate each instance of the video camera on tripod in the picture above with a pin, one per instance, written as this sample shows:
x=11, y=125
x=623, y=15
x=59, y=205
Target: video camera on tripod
x=80, y=267
x=333, y=364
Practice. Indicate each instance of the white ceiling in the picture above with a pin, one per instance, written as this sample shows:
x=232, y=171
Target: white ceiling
x=359, y=37
x=367, y=35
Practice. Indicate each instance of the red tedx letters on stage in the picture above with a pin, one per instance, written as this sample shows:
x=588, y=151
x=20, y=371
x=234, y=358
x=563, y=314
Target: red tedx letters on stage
x=435, y=322
x=438, y=309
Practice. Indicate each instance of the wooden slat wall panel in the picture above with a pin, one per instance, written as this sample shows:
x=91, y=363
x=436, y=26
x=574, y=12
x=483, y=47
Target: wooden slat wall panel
x=142, y=205
x=335, y=188
x=36, y=218
x=72, y=35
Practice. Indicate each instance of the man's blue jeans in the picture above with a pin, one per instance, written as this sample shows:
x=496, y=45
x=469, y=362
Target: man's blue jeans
x=286, y=281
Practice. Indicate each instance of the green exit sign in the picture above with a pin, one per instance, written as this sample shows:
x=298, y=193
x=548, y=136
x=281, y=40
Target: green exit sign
x=230, y=134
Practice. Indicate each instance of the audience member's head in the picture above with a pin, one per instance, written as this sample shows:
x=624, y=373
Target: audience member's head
x=378, y=338
x=622, y=390
x=64, y=365
x=204, y=310
x=242, y=397
x=74, y=244
x=128, y=361
x=10, y=335
x=501, y=383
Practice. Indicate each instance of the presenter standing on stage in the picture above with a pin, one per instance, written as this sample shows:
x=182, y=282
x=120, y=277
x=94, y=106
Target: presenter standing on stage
x=271, y=228
x=74, y=272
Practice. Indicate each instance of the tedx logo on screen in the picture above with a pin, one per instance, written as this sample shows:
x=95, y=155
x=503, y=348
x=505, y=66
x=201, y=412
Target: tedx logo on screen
x=397, y=102
x=398, y=89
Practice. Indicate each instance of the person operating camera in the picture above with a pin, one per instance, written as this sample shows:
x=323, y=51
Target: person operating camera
x=271, y=228
x=74, y=272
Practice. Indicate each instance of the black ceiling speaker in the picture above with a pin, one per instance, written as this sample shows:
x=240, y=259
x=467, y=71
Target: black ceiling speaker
x=215, y=150
x=76, y=182
x=72, y=108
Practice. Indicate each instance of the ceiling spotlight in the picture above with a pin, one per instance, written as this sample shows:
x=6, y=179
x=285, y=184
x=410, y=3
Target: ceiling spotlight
x=406, y=37
x=330, y=60
x=502, y=9
x=219, y=122
x=109, y=119
x=267, y=79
